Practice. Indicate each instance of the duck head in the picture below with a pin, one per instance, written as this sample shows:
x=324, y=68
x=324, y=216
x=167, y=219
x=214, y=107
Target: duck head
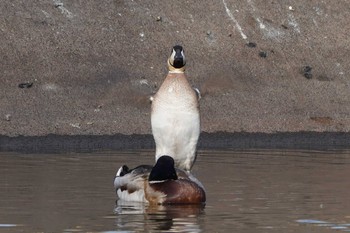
x=163, y=170
x=177, y=61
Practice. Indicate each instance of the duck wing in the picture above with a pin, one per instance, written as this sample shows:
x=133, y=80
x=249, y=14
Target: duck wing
x=131, y=179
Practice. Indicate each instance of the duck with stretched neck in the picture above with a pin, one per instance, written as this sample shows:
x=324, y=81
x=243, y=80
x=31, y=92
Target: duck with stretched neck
x=177, y=61
x=160, y=184
x=175, y=115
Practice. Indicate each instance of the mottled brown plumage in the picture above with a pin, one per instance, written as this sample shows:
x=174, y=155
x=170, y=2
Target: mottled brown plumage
x=181, y=191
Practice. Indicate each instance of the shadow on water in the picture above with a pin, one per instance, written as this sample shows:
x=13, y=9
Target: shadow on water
x=247, y=191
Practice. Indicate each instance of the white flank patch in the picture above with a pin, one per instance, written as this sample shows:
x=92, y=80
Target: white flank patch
x=137, y=196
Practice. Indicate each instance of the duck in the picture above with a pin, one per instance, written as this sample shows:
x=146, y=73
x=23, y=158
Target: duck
x=161, y=184
x=175, y=117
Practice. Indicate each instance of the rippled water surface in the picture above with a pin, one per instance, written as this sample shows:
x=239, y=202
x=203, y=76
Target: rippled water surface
x=247, y=191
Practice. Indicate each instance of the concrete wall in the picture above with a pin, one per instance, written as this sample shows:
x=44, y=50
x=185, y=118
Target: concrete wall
x=262, y=66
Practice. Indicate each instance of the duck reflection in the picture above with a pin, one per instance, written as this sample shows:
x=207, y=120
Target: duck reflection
x=174, y=218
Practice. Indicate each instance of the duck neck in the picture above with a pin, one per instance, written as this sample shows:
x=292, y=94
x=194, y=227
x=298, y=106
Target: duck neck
x=172, y=69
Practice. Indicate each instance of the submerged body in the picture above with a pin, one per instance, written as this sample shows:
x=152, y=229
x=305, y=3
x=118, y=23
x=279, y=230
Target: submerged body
x=161, y=184
x=175, y=116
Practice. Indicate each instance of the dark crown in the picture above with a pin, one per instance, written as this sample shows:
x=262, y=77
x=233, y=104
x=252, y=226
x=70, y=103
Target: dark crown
x=163, y=170
x=177, y=57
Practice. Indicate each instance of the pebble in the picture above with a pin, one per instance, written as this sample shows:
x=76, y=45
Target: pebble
x=75, y=125
x=263, y=54
x=251, y=45
x=284, y=26
x=8, y=117
x=307, y=72
x=25, y=85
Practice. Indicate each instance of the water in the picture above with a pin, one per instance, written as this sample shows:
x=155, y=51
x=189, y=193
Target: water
x=247, y=191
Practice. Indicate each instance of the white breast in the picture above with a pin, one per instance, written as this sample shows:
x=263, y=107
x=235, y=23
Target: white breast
x=176, y=122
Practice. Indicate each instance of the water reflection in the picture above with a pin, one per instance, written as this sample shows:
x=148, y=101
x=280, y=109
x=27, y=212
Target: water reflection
x=329, y=225
x=174, y=218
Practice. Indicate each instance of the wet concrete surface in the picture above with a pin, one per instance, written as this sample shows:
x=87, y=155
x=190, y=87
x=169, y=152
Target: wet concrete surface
x=88, y=67
x=208, y=141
